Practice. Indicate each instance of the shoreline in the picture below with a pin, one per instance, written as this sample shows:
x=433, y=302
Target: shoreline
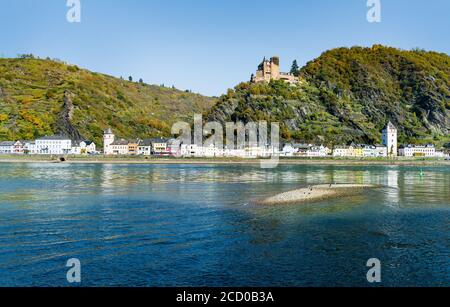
x=223, y=161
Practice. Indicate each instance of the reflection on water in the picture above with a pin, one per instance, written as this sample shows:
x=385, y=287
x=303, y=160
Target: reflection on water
x=178, y=225
x=392, y=197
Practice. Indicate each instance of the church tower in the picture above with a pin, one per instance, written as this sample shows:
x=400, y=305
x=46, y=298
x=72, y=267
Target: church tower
x=390, y=139
x=108, y=139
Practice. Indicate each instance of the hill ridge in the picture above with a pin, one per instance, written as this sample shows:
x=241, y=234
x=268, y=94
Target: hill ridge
x=42, y=97
x=349, y=94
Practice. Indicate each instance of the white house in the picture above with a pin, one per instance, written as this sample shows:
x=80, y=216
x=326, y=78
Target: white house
x=342, y=151
x=83, y=147
x=19, y=147
x=289, y=150
x=195, y=151
x=53, y=145
x=119, y=148
x=428, y=151
x=90, y=146
x=6, y=147
x=318, y=151
x=160, y=146
x=304, y=150
x=29, y=148
x=375, y=151
x=145, y=148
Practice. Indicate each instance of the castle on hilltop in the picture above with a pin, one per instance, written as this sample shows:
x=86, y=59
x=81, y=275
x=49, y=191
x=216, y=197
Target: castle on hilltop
x=270, y=70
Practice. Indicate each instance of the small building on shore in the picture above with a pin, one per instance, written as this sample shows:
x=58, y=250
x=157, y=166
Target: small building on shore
x=29, y=148
x=133, y=147
x=318, y=151
x=83, y=148
x=348, y=151
x=427, y=151
x=341, y=151
x=145, y=148
x=160, y=146
x=118, y=148
x=375, y=151
x=53, y=145
x=7, y=147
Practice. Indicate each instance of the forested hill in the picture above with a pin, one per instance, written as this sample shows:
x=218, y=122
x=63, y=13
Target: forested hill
x=349, y=94
x=346, y=95
x=43, y=97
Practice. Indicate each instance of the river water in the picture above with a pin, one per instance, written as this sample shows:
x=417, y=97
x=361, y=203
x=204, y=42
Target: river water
x=197, y=225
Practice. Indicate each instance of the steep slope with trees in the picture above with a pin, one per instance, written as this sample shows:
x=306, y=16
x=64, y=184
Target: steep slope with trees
x=43, y=97
x=349, y=94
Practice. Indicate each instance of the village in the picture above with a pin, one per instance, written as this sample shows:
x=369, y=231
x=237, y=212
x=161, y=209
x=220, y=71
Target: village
x=268, y=70
x=59, y=145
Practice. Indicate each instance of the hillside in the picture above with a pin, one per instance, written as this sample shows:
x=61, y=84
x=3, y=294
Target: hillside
x=349, y=95
x=346, y=95
x=44, y=97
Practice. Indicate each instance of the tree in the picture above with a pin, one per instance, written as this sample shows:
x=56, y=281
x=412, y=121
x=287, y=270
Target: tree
x=141, y=81
x=295, y=69
x=26, y=56
x=130, y=78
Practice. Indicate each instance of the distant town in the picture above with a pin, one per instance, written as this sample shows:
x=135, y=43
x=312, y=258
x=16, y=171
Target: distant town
x=268, y=70
x=170, y=147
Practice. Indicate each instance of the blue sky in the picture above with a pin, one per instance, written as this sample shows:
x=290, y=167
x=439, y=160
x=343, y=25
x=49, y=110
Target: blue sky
x=211, y=45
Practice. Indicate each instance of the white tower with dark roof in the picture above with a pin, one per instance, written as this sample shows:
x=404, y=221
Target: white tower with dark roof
x=390, y=139
x=108, y=139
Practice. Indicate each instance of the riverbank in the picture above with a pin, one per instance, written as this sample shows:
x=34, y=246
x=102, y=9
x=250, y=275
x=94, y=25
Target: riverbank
x=316, y=193
x=200, y=161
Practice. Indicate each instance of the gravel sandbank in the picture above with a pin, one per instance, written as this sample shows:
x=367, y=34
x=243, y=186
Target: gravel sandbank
x=316, y=193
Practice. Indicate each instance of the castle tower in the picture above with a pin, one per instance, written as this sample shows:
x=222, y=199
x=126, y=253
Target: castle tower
x=266, y=70
x=390, y=139
x=108, y=139
x=275, y=67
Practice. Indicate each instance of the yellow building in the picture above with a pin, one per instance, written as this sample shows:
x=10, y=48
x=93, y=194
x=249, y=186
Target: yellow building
x=352, y=151
x=133, y=147
x=356, y=151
